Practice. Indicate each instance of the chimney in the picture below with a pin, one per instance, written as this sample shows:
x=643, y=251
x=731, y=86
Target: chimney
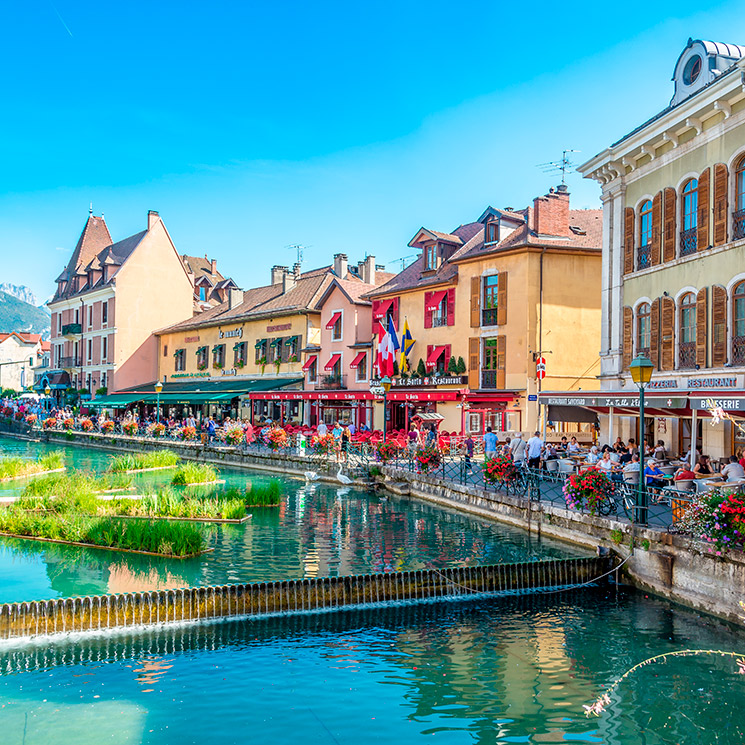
x=235, y=298
x=213, y=267
x=152, y=218
x=278, y=273
x=296, y=270
x=288, y=281
x=368, y=270
x=340, y=265
x=551, y=213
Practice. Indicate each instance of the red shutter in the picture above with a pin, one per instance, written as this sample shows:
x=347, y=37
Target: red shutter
x=656, y=247
x=704, y=201
x=451, y=307
x=447, y=355
x=394, y=312
x=375, y=313
x=671, y=201
x=720, y=204
x=628, y=241
x=427, y=314
x=430, y=349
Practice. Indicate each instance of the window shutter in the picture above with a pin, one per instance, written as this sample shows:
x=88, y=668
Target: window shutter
x=285, y=349
x=718, y=326
x=720, y=204
x=667, y=334
x=447, y=354
x=656, y=247
x=375, y=314
x=654, y=333
x=628, y=328
x=670, y=198
x=701, y=326
x=704, y=202
x=501, y=298
x=474, y=355
x=501, y=360
x=394, y=311
x=427, y=313
x=430, y=347
x=451, y=306
x=628, y=241
x=475, y=302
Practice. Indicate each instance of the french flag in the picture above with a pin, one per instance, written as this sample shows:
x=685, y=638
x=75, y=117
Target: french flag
x=387, y=347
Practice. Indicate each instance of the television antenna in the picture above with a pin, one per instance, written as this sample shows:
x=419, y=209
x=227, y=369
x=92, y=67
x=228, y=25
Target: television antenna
x=559, y=166
x=299, y=249
x=404, y=259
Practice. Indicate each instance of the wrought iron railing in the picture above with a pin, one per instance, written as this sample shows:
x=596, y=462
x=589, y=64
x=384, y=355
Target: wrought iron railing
x=438, y=321
x=332, y=383
x=488, y=378
x=738, y=225
x=71, y=329
x=644, y=256
x=489, y=317
x=687, y=355
x=738, y=350
x=688, y=241
x=70, y=362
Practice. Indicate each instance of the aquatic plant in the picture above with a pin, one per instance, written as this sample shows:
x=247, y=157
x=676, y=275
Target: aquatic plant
x=265, y=495
x=170, y=502
x=141, y=461
x=13, y=467
x=194, y=473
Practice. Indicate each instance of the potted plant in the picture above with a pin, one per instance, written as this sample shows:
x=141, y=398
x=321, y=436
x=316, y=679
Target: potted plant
x=262, y=364
x=427, y=458
x=498, y=469
x=130, y=427
x=587, y=490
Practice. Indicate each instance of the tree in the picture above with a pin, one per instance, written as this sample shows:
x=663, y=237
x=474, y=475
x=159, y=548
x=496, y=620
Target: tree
x=461, y=366
x=421, y=369
x=452, y=366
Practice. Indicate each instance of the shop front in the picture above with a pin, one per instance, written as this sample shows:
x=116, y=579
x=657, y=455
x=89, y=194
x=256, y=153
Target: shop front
x=499, y=410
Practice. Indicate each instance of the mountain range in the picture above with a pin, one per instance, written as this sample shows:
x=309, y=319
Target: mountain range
x=19, y=315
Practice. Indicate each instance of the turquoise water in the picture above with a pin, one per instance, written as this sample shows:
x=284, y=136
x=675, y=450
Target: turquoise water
x=319, y=530
x=513, y=670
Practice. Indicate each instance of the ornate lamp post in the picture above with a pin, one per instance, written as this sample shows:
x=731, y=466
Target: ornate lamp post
x=386, y=383
x=47, y=392
x=158, y=389
x=641, y=373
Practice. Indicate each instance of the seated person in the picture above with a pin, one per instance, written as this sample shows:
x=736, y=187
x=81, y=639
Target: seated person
x=654, y=476
x=703, y=467
x=573, y=446
x=659, y=450
x=550, y=453
x=633, y=466
x=684, y=473
x=733, y=471
x=608, y=466
x=618, y=445
x=593, y=456
x=563, y=444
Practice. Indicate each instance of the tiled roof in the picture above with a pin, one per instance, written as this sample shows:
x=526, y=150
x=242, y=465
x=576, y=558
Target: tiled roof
x=23, y=336
x=201, y=266
x=94, y=238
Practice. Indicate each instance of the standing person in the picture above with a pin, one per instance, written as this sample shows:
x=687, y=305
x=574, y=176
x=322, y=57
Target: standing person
x=490, y=444
x=431, y=439
x=517, y=449
x=535, y=448
x=337, y=433
x=322, y=429
x=468, y=446
x=346, y=437
x=211, y=429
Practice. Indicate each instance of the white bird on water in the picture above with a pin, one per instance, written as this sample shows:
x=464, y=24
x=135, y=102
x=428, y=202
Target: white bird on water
x=341, y=478
x=311, y=476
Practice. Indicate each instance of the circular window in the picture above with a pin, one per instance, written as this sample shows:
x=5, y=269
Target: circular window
x=692, y=70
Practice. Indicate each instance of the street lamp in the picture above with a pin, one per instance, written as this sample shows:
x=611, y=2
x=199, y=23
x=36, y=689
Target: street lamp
x=47, y=392
x=641, y=373
x=386, y=383
x=158, y=389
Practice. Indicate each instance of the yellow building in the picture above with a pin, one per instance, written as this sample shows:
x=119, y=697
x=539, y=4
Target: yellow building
x=501, y=293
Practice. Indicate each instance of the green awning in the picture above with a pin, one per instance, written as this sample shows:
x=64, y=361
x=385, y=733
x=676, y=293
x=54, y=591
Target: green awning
x=115, y=401
x=260, y=343
x=188, y=398
x=276, y=342
x=231, y=385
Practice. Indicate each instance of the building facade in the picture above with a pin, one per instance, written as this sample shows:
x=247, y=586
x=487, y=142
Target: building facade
x=673, y=194
x=23, y=357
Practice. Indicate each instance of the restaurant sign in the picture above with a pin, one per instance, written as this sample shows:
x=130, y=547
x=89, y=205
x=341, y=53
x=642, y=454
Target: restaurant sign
x=604, y=402
x=191, y=375
x=234, y=334
x=726, y=404
x=724, y=381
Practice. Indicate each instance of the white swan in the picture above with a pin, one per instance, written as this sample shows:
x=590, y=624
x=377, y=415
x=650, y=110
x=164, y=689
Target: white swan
x=311, y=476
x=341, y=478
x=342, y=492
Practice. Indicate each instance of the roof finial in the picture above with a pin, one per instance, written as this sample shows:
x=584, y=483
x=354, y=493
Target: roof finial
x=90, y=209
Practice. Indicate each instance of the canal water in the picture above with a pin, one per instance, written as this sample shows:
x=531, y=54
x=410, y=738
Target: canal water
x=319, y=530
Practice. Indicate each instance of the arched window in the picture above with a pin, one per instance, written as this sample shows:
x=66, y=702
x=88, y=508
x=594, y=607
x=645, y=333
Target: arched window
x=688, y=237
x=687, y=355
x=738, y=324
x=738, y=217
x=645, y=235
x=643, y=329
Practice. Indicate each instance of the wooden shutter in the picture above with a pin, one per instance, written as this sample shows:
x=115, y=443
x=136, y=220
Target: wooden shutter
x=704, y=204
x=654, y=333
x=501, y=298
x=427, y=313
x=394, y=311
x=375, y=315
x=475, y=302
x=451, y=306
x=667, y=334
x=474, y=358
x=720, y=204
x=628, y=329
x=718, y=326
x=701, y=327
x=656, y=247
x=501, y=361
x=628, y=241
x=669, y=223
x=447, y=354
x=285, y=349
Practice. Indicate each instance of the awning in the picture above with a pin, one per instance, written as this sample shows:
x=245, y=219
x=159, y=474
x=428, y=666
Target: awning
x=429, y=416
x=234, y=386
x=276, y=342
x=436, y=300
x=189, y=398
x=355, y=363
x=260, y=343
x=435, y=355
x=57, y=381
x=238, y=345
x=309, y=362
x=382, y=309
x=332, y=362
x=333, y=320
x=115, y=400
x=201, y=349
x=571, y=414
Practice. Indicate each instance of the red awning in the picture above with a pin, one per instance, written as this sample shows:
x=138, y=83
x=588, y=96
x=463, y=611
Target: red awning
x=332, y=362
x=435, y=355
x=355, y=363
x=309, y=362
x=435, y=300
x=333, y=320
x=382, y=309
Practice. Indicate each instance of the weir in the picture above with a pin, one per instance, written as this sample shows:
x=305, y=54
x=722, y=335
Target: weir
x=93, y=613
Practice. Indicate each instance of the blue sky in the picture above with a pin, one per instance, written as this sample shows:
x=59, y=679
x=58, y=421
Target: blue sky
x=340, y=126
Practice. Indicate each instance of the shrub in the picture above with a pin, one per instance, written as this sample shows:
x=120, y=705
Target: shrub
x=31, y=419
x=323, y=444
x=157, y=429
x=276, y=438
x=194, y=473
x=68, y=423
x=718, y=518
x=186, y=433
x=234, y=435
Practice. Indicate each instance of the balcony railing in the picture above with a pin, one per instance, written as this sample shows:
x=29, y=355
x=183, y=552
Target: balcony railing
x=438, y=321
x=688, y=241
x=643, y=256
x=738, y=350
x=738, y=225
x=488, y=378
x=687, y=355
x=69, y=362
x=72, y=329
x=332, y=383
x=489, y=317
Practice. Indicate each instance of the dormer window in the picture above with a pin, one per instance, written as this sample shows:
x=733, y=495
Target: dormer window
x=492, y=232
x=692, y=70
x=430, y=256
x=203, y=294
